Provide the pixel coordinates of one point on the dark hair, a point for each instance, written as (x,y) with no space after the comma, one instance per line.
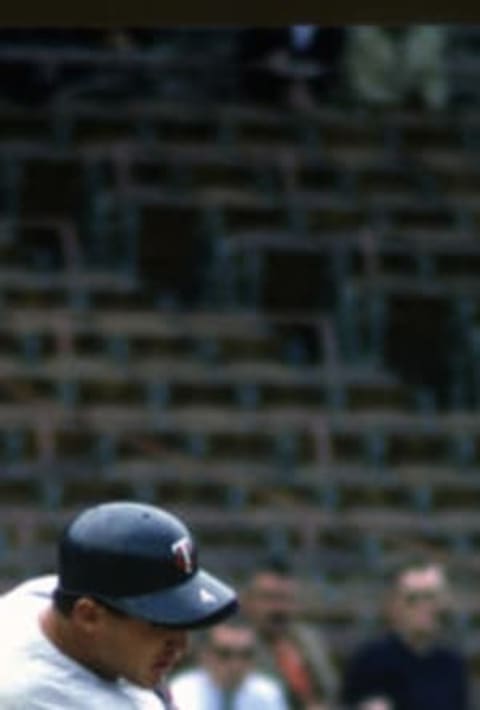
(278,564)
(238,621)
(64,602)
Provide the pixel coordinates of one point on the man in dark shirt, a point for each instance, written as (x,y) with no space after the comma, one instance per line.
(409,667)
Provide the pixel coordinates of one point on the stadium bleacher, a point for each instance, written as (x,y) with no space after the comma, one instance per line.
(199,303)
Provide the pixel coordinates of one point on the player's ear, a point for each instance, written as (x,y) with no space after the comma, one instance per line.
(87,614)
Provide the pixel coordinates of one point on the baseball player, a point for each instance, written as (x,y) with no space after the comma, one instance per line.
(105,632)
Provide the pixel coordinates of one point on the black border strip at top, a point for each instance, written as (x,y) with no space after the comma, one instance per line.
(125,13)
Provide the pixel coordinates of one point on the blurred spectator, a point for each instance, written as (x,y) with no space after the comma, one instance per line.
(226,677)
(395,65)
(298,64)
(288,648)
(410,667)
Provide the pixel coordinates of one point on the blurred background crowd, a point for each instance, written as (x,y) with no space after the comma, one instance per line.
(297,66)
(239,278)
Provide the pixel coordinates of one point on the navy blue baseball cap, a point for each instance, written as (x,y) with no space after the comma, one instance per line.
(142,561)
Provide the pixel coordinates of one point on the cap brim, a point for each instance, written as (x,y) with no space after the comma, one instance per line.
(200,601)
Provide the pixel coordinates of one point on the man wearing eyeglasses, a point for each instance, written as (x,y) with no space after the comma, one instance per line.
(410,667)
(226,678)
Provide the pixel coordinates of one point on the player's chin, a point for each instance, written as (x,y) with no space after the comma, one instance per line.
(150,675)
(153,676)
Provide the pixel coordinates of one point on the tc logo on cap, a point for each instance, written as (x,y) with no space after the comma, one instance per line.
(184,554)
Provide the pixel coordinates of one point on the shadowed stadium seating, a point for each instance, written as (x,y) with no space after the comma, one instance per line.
(267,320)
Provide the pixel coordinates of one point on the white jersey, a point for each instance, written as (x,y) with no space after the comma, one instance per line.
(195,690)
(35,675)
